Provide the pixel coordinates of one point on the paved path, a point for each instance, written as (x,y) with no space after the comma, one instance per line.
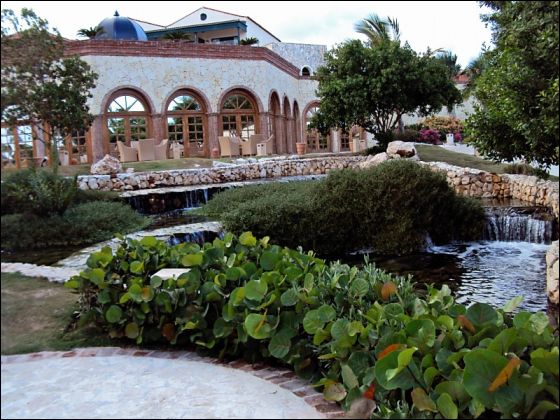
(117,383)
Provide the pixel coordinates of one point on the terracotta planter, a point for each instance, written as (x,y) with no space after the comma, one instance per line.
(301,148)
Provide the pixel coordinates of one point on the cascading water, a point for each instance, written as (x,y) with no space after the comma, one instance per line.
(525,224)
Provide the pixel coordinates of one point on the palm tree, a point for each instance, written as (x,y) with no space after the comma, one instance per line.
(474,69)
(177,35)
(378,30)
(450,61)
(249,41)
(90,32)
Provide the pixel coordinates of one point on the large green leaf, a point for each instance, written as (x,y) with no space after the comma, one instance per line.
(247,239)
(456,391)
(312,321)
(547,361)
(512,304)
(403,360)
(334,392)
(481,368)
(97,276)
(280,344)
(403,380)
(326,313)
(348,377)
(289,297)
(131,330)
(481,315)
(191,260)
(113,314)
(422,401)
(359,287)
(447,407)
(257,327)
(501,343)
(268,260)
(137,267)
(421,333)
(222,328)
(255,290)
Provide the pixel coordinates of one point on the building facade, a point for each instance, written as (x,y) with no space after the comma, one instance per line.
(191,91)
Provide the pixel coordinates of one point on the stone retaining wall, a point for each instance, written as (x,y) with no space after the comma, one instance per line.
(481,184)
(269,168)
(552,273)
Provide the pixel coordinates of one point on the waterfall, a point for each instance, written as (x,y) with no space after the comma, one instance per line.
(199,237)
(526,224)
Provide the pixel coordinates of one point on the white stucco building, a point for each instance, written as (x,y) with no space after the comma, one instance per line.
(193,91)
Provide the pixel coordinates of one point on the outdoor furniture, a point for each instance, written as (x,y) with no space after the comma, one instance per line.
(126,153)
(268,145)
(177,150)
(146,150)
(161,150)
(249,147)
(228,146)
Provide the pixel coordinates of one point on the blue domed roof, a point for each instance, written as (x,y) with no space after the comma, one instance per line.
(119,27)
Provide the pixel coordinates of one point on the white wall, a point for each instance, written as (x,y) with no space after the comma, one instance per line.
(300,55)
(254,30)
(212,16)
(158,77)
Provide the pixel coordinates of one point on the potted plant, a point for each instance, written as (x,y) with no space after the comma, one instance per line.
(301,148)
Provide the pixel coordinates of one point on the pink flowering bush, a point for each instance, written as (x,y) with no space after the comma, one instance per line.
(430,136)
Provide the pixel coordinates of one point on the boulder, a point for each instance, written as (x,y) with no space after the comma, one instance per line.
(401,148)
(374,160)
(107,166)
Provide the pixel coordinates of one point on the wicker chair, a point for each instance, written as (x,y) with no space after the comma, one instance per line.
(162,150)
(146,149)
(126,153)
(249,147)
(269,144)
(228,146)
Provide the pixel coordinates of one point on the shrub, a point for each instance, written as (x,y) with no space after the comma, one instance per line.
(429,136)
(80,225)
(384,138)
(407,135)
(38,192)
(355,331)
(525,169)
(392,207)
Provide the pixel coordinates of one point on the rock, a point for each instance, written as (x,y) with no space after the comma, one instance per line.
(374,160)
(107,166)
(401,148)
(129,170)
(218,164)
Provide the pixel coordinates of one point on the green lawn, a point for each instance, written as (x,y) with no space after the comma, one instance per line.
(36,316)
(429,153)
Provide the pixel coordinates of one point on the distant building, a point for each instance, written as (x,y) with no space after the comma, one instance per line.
(190,91)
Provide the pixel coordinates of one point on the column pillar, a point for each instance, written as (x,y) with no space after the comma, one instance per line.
(212,133)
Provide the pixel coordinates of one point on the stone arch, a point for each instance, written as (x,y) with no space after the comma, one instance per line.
(203,98)
(250,92)
(288,126)
(306,71)
(109,96)
(276,121)
(297,123)
(185,123)
(239,110)
(316,142)
(133,123)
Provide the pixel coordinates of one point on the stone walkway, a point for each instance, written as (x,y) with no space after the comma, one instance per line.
(127,383)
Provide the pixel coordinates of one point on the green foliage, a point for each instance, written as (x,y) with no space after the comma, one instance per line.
(525,169)
(81,224)
(39,83)
(374,87)
(37,192)
(249,41)
(394,206)
(332,323)
(517,91)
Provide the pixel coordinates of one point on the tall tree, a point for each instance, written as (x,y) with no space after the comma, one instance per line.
(39,84)
(378,30)
(374,87)
(517,114)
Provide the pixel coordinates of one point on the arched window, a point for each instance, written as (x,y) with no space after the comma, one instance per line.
(239,115)
(316,141)
(186,123)
(306,71)
(127,120)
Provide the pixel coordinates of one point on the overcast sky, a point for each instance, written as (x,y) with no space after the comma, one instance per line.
(450,25)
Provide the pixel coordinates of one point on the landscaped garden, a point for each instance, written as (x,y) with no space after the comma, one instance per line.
(277,284)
